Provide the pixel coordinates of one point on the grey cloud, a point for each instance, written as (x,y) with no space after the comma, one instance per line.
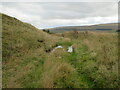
(44,14)
(78,10)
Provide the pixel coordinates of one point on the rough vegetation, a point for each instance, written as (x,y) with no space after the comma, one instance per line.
(29,62)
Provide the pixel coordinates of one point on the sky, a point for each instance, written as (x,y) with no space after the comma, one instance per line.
(55,14)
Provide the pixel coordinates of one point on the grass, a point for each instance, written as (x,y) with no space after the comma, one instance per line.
(96,58)
(30,62)
(22,45)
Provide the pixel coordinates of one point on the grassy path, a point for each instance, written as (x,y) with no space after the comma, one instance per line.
(63,69)
(73,60)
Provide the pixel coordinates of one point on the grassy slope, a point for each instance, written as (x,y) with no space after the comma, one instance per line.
(28,62)
(24,51)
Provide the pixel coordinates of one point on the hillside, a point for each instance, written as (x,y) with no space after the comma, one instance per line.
(28,59)
(99,27)
(24,50)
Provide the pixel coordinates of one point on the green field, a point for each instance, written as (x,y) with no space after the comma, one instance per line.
(29,60)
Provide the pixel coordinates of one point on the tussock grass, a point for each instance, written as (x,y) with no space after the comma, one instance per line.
(97,57)
(30,62)
(23,45)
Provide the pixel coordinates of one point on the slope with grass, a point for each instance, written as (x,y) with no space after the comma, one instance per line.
(29,63)
(24,51)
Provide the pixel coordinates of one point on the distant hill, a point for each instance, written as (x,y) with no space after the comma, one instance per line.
(99,27)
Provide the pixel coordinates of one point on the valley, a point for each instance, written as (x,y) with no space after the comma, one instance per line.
(28,60)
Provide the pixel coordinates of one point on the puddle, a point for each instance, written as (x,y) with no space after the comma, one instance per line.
(59,47)
(70,49)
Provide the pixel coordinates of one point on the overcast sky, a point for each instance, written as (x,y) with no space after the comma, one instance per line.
(46,15)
